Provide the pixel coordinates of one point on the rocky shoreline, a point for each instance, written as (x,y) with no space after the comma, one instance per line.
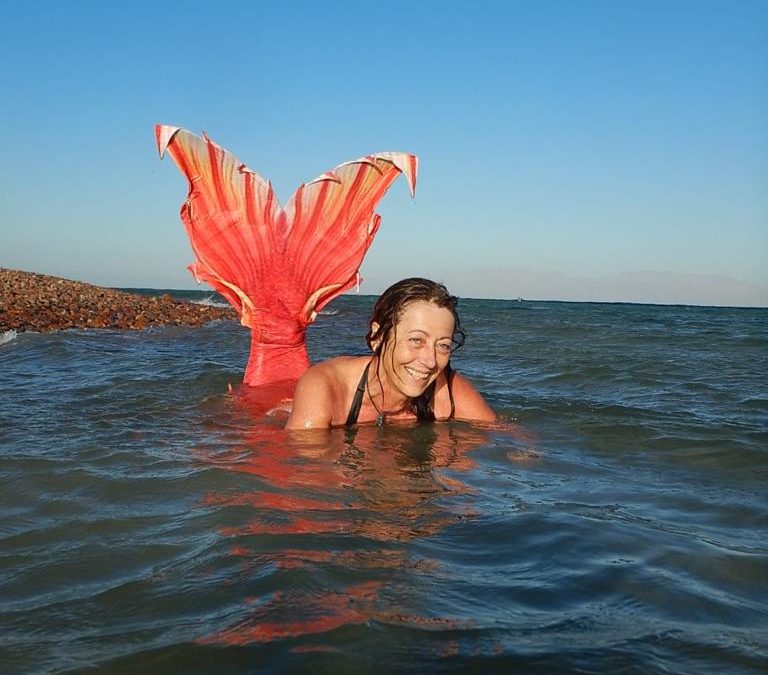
(37,302)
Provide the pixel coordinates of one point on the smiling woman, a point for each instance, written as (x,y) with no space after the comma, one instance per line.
(414,328)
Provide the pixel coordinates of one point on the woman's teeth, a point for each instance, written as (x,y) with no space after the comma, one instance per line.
(417,374)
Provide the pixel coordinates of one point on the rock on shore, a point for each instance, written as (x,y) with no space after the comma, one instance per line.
(38,302)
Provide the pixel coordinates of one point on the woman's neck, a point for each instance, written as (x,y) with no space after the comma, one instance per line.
(384,397)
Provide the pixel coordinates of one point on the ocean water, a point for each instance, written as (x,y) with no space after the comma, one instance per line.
(614,521)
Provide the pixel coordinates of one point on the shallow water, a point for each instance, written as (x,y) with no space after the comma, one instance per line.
(616,521)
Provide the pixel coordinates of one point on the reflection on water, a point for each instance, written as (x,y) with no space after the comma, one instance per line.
(331,505)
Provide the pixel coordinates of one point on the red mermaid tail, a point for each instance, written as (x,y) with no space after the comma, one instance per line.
(278,266)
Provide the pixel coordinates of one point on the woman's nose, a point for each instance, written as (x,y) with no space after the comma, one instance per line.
(429,356)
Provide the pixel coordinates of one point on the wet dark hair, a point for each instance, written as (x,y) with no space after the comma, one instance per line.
(392,302)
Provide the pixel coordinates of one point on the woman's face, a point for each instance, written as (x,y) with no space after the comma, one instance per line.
(418,348)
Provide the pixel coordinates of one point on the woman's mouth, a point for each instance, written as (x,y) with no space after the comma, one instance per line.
(417,374)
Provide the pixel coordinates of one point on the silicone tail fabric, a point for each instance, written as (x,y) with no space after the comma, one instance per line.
(278,266)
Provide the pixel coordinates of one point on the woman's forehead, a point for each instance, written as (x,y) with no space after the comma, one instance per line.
(426,316)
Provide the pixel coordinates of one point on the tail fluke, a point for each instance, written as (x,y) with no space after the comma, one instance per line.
(278,266)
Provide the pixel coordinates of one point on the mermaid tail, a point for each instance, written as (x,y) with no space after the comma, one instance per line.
(278,266)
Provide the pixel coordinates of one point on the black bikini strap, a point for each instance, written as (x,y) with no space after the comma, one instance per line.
(357,401)
(424,405)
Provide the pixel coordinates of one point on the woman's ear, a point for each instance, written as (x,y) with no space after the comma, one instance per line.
(376,341)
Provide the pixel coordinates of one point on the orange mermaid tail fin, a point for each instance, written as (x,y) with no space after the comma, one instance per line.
(278,266)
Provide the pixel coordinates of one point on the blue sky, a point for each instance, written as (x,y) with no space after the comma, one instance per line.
(580,150)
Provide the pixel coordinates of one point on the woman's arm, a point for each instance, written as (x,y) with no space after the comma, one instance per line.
(312,401)
(469,403)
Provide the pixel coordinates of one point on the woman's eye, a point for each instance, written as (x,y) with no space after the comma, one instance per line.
(444,347)
(416,341)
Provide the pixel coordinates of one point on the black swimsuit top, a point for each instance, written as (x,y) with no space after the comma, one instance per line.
(422,405)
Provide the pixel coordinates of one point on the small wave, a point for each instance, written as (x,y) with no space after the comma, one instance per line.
(7,336)
(211,301)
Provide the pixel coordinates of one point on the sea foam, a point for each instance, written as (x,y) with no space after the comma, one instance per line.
(211,301)
(7,336)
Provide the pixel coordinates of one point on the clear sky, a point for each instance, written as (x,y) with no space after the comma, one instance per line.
(579,150)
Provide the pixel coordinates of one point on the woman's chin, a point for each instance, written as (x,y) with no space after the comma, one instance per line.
(413,387)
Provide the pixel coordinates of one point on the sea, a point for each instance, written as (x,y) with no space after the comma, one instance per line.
(614,520)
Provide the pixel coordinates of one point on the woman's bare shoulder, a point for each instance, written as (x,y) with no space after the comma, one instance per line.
(470,404)
(334,371)
(321,391)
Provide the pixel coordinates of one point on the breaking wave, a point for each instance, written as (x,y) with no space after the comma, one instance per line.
(8,336)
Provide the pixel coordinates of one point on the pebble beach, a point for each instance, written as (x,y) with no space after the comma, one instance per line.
(42,303)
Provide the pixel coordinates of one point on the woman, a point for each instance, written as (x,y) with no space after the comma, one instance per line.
(413,331)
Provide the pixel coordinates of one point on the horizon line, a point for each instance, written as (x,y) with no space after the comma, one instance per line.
(485,299)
